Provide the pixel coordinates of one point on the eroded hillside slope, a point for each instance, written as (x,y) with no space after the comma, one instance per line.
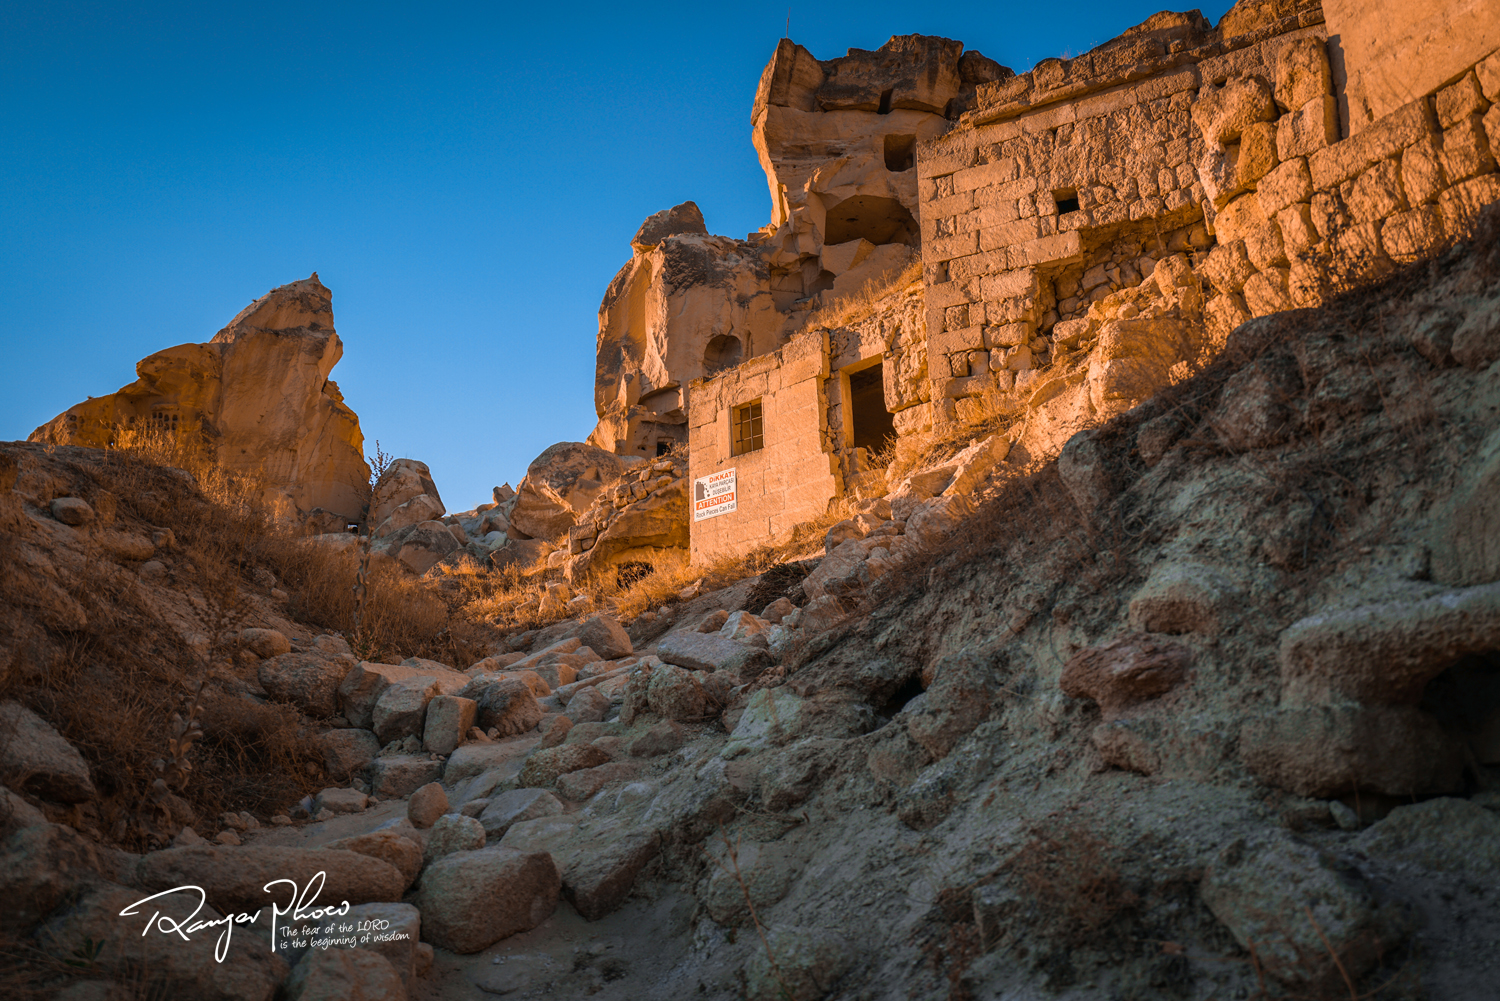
(1210,707)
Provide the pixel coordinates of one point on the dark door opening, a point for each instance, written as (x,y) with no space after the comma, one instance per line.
(871,423)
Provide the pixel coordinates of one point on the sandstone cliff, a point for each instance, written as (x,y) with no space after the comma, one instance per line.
(259,390)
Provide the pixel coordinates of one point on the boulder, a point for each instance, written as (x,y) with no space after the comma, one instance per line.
(340,801)
(1285,898)
(389,846)
(676,694)
(605,636)
(396,776)
(73,511)
(588,705)
(1125,671)
(515,807)
(1386,653)
(401,482)
(543,767)
(583,784)
(414,512)
(598,882)
(310,681)
(449,718)
(348,752)
(684,218)
(471,900)
(554,730)
(34,758)
(453,832)
(745,627)
(473,760)
(337,974)
(712,652)
(401,709)
(234,878)
(362,687)
(560,485)
(424,546)
(504,704)
(265,642)
(427,804)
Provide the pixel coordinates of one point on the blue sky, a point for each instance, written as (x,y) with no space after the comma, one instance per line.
(464,177)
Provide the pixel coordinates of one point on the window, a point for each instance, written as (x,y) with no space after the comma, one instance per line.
(749,433)
(663,447)
(1067,200)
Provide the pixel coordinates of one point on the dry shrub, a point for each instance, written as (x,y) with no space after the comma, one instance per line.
(864,301)
(1066,869)
(403,616)
(113,687)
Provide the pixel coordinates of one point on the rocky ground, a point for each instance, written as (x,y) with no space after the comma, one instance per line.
(1207,708)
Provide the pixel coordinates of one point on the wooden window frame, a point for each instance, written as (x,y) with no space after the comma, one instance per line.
(747,427)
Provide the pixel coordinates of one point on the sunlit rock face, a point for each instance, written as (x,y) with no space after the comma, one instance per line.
(261,393)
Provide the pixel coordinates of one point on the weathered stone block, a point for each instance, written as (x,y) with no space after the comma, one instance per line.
(1308,129)
(1288,183)
(1466,150)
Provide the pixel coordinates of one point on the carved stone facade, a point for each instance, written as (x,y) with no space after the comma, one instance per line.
(1088,232)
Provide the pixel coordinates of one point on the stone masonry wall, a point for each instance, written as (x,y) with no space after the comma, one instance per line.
(1036,210)
(793,477)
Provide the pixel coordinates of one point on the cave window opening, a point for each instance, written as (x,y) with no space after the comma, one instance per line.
(749,428)
(663,447)
(885,103)
(1067,200)
(872,426)
(723,351)
(900,153)
(875,218)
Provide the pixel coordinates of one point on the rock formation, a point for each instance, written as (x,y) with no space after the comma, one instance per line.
(1199,700)
(260,392)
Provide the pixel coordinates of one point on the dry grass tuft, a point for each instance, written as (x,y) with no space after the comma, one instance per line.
(866,300)
(1066,870)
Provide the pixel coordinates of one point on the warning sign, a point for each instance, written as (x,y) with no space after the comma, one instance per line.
(713,495)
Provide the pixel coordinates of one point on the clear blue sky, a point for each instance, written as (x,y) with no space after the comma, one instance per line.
(464,177)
